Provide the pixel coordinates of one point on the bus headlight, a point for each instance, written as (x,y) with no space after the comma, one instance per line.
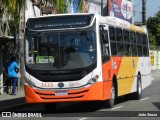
(93,79)
(29,82)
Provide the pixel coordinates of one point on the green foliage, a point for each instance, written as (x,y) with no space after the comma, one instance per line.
(80,7)
(60,6)
(153,26)
(13,8)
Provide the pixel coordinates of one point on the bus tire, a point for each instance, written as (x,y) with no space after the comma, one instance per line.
(111,102)
(50,107)
(138,93)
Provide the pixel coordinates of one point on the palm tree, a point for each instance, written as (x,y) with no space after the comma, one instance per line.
(12,10)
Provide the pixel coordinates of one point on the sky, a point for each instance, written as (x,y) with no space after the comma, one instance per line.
(152,7)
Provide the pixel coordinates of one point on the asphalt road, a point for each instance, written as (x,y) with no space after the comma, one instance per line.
(148,106)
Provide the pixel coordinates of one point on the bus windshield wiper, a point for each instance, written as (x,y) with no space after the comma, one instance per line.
(47,42)
(70,39)
(68,44)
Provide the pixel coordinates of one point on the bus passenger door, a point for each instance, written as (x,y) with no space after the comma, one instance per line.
(105,56)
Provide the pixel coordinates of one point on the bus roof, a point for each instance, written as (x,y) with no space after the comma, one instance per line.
(66,14)
(124,24)
(103,20)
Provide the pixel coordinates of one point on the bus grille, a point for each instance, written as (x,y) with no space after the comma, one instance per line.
(50,95)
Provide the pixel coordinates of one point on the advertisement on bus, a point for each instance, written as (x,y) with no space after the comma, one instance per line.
(122,9)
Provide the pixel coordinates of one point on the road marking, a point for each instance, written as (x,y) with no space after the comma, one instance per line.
(83,119)
(144,99)
(117,107)
(156,75)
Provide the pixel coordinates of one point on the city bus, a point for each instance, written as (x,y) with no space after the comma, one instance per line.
(84,57)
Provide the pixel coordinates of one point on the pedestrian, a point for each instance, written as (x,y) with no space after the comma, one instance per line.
(7,83)
(12,73)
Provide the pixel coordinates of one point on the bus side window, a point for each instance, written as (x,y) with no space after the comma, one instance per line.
(127,49)
(138,38)
(112,37)
(126,36)
(139,48)
(119,36)
(145,45)
(127,46)
(120,49)
(114,48)
(139,44)
(112,33)
(144,40)
(132,37)
(133,43)
(104,44)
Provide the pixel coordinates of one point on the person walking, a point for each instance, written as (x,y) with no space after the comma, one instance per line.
(12,73)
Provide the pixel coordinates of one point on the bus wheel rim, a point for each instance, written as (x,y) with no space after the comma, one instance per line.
(113,92)
(139,88)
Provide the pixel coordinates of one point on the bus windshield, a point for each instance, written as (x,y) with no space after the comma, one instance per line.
(60,50)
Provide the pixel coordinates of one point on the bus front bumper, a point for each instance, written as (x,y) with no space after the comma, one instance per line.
(92,93)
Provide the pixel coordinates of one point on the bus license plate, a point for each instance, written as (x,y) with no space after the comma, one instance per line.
(61,93)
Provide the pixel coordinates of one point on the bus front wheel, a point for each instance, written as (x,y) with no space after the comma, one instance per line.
(111,102)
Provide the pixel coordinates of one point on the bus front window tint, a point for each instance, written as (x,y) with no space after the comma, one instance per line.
(61,50)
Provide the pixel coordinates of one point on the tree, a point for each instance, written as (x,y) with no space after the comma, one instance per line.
(12,10)
(153,26)
(59,6)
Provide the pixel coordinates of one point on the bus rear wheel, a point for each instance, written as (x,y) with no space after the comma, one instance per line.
(138,93)
(50,107)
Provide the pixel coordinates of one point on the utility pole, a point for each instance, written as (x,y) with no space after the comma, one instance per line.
(102,7)
(143,12)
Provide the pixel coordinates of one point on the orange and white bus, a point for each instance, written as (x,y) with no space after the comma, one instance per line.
(84,57)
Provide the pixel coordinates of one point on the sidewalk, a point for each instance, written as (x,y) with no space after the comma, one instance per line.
(8,101)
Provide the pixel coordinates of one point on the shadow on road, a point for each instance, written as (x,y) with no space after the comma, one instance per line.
(157,104)
(18,105)
(11,103)
(92,106)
